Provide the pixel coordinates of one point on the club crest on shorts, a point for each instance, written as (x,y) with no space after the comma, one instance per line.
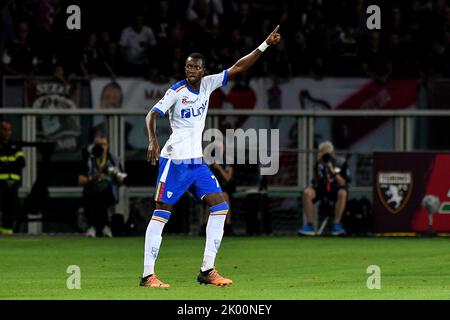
(394,189)
(169,194)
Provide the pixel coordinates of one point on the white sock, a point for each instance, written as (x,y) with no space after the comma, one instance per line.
(208,263)
(153,238)
(214,234)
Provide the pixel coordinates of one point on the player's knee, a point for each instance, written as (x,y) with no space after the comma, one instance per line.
(309,193)
(163,206)
(342,193)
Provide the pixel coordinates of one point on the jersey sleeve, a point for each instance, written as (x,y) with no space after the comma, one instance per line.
(123,41)
(163,105)
(217,80)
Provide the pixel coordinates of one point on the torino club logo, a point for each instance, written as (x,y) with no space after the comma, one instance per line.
(394,189)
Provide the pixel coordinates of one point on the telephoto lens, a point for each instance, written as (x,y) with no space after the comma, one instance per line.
(326,158)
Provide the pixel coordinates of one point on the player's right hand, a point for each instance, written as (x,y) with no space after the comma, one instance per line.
(153,152)
(274,37)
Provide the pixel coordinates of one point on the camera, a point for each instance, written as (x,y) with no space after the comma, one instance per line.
(115,173)
(326,158)
(96,151)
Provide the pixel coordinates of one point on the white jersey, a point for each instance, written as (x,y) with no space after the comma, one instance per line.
(132,40)
(187,113)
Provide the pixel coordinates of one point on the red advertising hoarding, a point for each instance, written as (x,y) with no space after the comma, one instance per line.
(401,180)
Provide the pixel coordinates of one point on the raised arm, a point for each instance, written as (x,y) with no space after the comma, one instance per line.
(247,61)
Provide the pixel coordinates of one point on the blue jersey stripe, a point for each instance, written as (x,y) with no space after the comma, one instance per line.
(225,78)
(178,84)
(159,111)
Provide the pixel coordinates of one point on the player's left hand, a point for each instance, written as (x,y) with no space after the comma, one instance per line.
(153,152)
(274,37)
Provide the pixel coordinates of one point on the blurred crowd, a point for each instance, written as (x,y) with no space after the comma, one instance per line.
(151,38)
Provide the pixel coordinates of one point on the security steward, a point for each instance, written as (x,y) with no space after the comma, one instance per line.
(12,162)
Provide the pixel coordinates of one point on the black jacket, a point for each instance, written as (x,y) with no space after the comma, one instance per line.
(12,162)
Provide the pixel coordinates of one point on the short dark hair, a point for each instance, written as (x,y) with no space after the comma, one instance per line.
(199,56)
(101,135)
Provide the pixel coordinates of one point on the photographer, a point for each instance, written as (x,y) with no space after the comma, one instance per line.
(330,183)
(101,180)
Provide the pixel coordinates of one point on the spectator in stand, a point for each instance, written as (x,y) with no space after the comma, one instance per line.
(203,18)
(112,58)
(176,67)
(210,9)
(48,24)
(59,75)
(376,63)
(278,61)
(245,22)
(7,32)
(162,23)
(413,30)
(135,42)
(93,62)
(104,39)
(110,51)
(19,58)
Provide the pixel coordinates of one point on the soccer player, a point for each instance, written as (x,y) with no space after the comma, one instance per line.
(181,164)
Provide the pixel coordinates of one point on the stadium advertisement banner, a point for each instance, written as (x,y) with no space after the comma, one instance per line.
(362,135)
(265,93)
(128,93)
(402,180)
(55,94)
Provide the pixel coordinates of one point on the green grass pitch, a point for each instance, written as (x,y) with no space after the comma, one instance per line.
(290,268)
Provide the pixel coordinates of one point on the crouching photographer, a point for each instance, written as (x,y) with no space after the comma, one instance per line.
(103,175)
(330,185)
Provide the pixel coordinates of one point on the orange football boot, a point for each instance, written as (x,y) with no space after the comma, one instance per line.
(213,277)
(153,282)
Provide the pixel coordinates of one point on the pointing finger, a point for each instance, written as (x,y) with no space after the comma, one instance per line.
(276,29)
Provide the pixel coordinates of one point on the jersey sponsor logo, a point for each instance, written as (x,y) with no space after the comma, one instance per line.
(185,113)
(185,100)
(169,194)
(194,112)
(394,189)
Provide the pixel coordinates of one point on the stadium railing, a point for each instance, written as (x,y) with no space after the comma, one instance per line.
(404,128)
